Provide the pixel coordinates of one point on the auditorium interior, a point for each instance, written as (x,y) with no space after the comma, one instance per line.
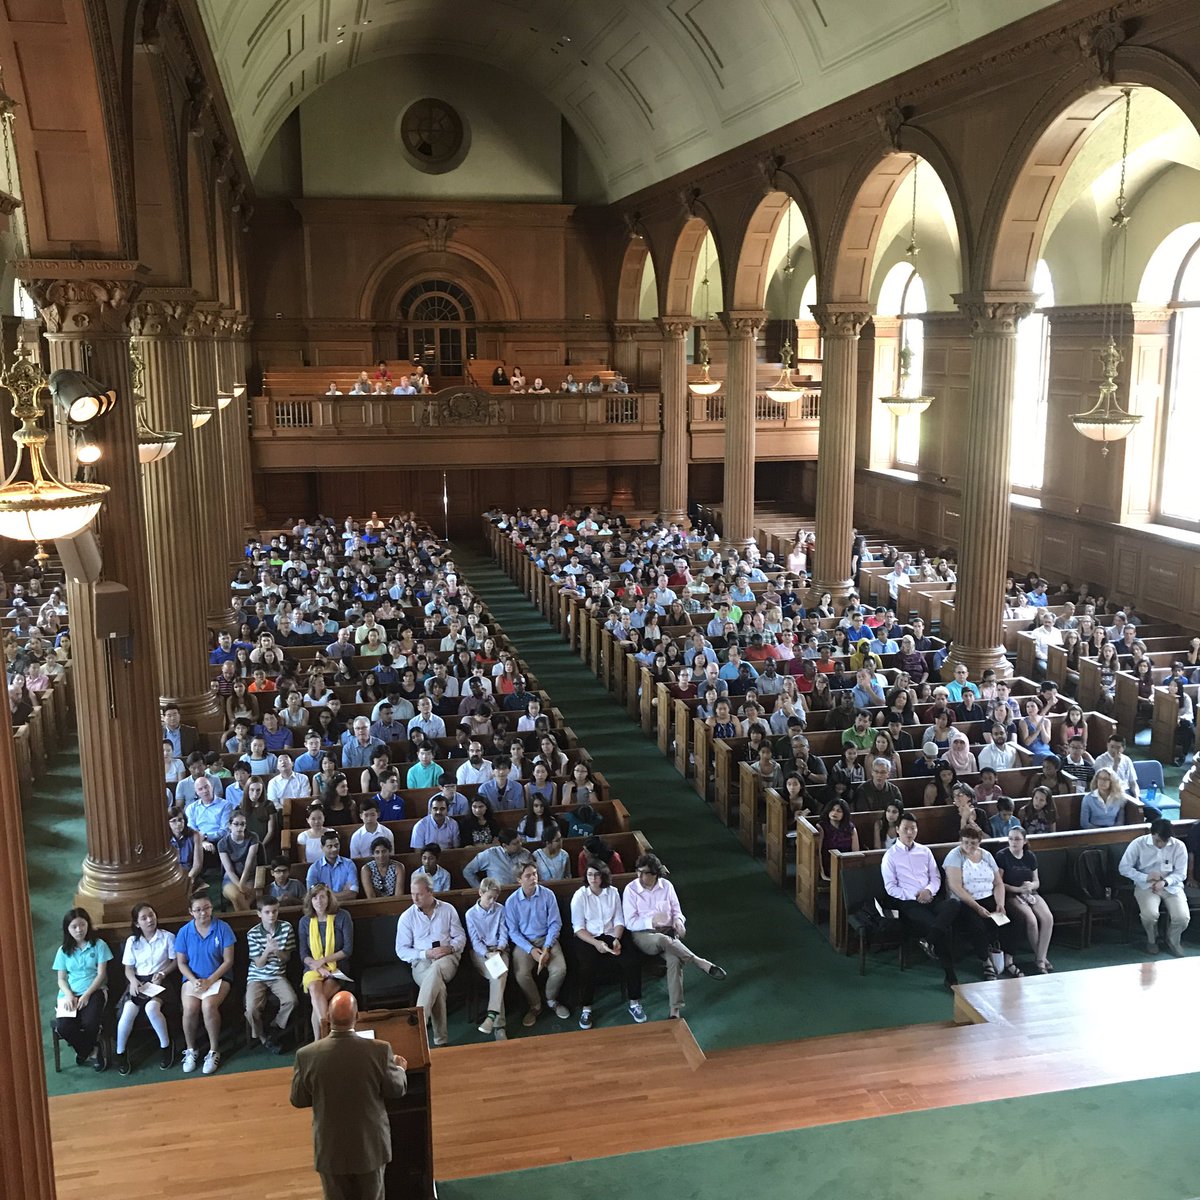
(925,272)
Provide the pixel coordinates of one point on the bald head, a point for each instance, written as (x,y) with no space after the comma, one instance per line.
(343,1009)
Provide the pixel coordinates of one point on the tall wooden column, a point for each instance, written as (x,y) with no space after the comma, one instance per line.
(169,502)
(625,351)
(228,463)
(26,1166)
(238,417)
(207,473)
(673,458)
(737,515)
(983,544)
(85,306)
(841,323)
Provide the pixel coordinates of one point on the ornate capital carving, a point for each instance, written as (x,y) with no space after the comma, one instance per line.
(1099,44)
(674,327)
(198,322)
(437,229)
(743,322)
(8,204)
(82,295)
(995,313)
(890,120)
(159,317)
(841,319)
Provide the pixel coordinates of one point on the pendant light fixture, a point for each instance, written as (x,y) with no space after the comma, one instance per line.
(1106,421)
(906,402)
(784,391)
(153,445)
(705,385)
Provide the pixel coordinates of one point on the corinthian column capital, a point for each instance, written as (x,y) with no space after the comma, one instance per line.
(743,322)
(674,327)
(840,318)
(995,312)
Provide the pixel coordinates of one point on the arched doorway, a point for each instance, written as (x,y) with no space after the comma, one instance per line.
(437,327)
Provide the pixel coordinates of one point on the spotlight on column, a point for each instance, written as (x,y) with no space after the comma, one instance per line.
(224,400)
(201,415)
(79,397)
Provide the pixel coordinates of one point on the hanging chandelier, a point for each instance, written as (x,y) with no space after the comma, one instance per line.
(906,402)
(784,391)
(153,445)
(41,508)
(1106,421)
(705,385)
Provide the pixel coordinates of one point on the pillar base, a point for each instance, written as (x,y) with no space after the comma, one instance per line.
(203,711)
(108,892)
(839,589)
(980,659)
(225,618)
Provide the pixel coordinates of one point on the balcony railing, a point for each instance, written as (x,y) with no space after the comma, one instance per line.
(805,409)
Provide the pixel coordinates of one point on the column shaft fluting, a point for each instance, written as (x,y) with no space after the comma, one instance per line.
(172,516)
(840,327)
(983,544)
(120,738)
(673,458)
(740,391)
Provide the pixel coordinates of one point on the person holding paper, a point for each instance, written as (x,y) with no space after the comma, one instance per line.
(204,952)
(148,959)
(430,938)
(977,883)
(652,914)
(326,936)
(488,935)
(82,972)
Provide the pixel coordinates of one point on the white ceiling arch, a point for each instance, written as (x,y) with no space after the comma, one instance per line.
(650,87)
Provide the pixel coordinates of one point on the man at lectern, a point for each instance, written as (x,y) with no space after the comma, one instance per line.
(345,1080)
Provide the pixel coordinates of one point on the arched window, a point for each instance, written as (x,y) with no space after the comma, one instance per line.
(902,294)
(808,298)
(1179,492)
(438,329)
(1030,400)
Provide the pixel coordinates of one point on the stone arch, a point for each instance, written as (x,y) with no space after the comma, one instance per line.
(629,282)
(752,273)
(864,206)
(494,296)
(676,290)
(1047,144)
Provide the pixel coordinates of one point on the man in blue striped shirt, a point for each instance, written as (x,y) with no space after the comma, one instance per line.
(534,924)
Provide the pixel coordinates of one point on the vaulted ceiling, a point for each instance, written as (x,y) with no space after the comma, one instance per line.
(650,87)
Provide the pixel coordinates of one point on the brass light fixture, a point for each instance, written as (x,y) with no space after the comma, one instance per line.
(1106,421)
(705,385)
(784,391)
(40,508)
(906,402)
(153,445)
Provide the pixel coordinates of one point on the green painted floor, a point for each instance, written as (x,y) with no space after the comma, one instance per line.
(784,982)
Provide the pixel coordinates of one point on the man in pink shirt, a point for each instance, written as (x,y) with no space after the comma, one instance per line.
(913,881)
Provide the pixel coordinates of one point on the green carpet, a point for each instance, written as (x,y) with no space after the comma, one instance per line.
(1026,1149)
(784,980)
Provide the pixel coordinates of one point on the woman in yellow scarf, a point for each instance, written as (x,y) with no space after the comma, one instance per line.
(326,937)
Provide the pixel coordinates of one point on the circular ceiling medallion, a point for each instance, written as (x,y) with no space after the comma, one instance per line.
(432,135)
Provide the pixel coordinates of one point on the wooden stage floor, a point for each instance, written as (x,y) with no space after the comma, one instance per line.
(234,1136)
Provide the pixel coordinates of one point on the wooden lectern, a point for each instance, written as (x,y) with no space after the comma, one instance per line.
(409,1175)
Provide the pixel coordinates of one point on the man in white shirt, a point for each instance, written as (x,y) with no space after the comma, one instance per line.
(1121,765)
(430,938)
(1000,754)
(475,770)
(1156,862)
(287,785)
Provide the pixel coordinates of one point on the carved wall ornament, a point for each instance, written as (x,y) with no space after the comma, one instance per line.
(689,197)
(461,406)
(437,229)
(1098,45)
(769,168)
(891,120)
(674,327)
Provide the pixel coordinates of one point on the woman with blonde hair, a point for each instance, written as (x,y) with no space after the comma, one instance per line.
(326,938)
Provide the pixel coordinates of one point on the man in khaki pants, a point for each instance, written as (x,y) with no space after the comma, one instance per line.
(430,938)
(653,916)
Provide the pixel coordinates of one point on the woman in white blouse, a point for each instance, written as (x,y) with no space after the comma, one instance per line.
(148,959)
(599,925)
(976,882)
